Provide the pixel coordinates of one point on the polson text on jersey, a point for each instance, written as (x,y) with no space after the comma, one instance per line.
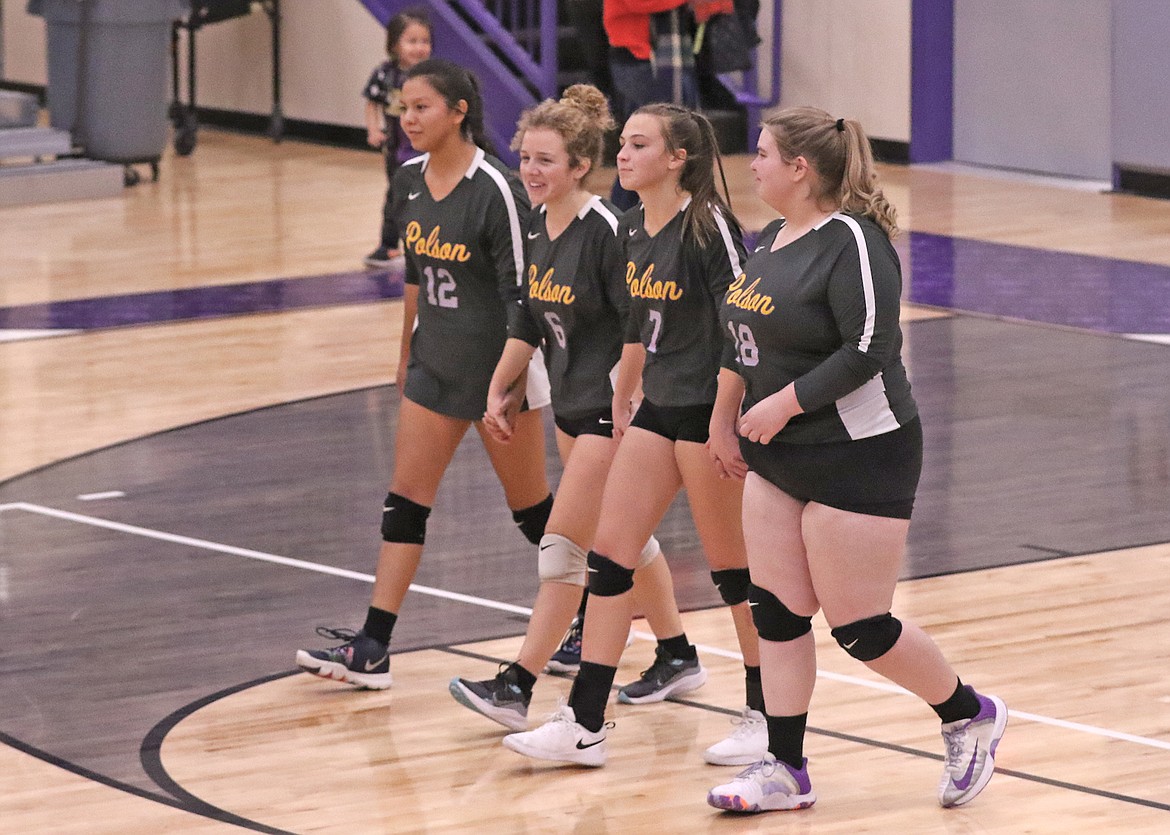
(647,288)
(545,290)
(432,246)
(748,298)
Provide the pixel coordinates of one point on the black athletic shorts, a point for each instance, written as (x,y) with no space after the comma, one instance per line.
(877,476)
(594,423)
(675,423)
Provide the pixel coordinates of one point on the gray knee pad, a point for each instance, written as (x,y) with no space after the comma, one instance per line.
(733,584)
(561,560)
(869,638)
(775,621)
(607,578)
(650,552)
(403,520)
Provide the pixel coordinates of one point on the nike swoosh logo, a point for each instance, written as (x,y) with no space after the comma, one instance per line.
(372,664)
(851,643)
(752,603)
(604,422)
(592,570)
(533,235)
(413,195)
(963,782)
(581,747)
(758,248)
(387,509)
(551,544)
(633,232)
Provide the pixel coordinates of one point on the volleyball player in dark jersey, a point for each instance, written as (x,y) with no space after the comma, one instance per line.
(575,297)
(831,447)
(683,250)
(462,219)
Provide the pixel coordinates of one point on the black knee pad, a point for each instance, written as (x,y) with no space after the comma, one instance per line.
(775,621)
(870,638)
(403,520)
(607,578)
(532,520)
(733,584)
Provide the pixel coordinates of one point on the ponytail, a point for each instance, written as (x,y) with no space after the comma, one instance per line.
(840,153)
(692,132)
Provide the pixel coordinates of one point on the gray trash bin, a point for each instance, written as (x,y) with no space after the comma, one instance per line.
(108,70)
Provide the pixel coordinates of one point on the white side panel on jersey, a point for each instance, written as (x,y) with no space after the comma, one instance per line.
(866,411)
(539,390)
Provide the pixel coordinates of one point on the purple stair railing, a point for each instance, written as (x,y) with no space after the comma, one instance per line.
(513,53)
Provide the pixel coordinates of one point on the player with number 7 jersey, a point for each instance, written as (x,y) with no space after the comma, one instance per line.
(676,287)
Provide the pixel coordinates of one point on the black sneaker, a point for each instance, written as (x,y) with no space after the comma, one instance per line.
(499,699)
(666,677)
(567,659)
(361,660)
(381,257)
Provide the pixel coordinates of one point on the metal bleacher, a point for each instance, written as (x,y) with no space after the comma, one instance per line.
(37,163)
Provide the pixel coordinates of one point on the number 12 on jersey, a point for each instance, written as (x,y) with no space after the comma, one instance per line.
(440,293)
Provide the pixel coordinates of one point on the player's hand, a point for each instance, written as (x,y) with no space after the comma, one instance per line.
(762,421)
(376,138)
(723,447)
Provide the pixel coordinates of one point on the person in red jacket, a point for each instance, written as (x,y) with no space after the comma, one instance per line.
(651,59)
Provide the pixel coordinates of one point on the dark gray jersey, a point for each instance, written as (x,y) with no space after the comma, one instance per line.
(466,254)
(823,312)
(675,291)
(576,300)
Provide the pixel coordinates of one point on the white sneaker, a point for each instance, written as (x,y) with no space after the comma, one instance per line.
(561,739)
(767,786)
(747,744)
(971,747)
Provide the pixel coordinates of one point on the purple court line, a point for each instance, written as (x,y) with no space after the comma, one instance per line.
(1038,285)
(206,302)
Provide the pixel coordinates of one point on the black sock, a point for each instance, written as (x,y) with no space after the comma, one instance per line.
(531,520)
(786,738)
(963,704)
(590,693)
(379,624)
(524,679)
(679,647)
(754,687)
(584,602)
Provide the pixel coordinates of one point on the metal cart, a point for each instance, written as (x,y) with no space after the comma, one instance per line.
(203,13)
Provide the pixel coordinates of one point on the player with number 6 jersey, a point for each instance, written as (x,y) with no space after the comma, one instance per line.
(574,302)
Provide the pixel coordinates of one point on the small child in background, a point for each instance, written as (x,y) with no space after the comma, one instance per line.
(408,42)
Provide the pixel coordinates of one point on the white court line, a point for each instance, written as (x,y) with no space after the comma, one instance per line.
(518,610)
(97,497)
(207,545)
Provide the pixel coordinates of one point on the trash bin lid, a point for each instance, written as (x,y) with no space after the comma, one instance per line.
(110,11)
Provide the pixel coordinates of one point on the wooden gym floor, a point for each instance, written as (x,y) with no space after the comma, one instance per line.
(197,422)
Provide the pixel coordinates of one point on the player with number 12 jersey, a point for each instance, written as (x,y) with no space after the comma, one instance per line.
(465,253)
